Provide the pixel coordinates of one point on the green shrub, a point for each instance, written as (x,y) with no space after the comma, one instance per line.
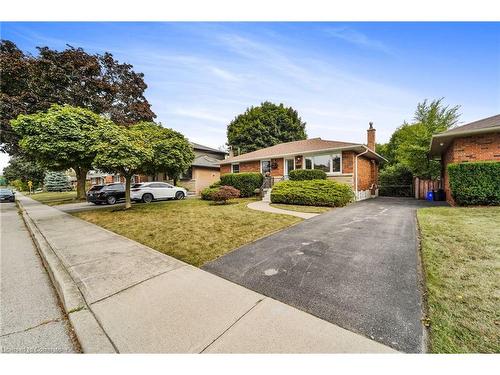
(312,193)
(206,194)
(19,185)
(396,181)
(246,183)
(307,174)
(475,183)
(224,193)
(215,184)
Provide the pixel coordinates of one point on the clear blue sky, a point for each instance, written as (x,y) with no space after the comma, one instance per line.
(339,76)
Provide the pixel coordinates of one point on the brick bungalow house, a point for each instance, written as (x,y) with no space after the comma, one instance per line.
(204,171)
(476,141)
(351,163)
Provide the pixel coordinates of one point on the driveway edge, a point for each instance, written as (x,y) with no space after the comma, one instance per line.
(89,332)
(423,289)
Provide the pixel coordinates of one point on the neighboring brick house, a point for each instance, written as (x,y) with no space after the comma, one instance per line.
(476,141)
(351,163)
(203,171)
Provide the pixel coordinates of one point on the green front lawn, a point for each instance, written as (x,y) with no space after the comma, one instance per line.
(54,198)
(461,257)
(191,230)
(297,208)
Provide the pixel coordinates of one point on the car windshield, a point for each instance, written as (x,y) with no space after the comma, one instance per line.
(5,191)
(96,187)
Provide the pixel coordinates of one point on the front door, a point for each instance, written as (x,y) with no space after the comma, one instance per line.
(289,166)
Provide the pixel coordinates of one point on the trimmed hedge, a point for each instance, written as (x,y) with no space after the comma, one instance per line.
(307,174)
(312,193)
(246,183)
(476,183)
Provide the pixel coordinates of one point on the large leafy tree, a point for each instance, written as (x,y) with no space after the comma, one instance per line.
(97,82)
(125,151)
(409,144)
(172,152)
(24,169)
(61,138)
(263,126)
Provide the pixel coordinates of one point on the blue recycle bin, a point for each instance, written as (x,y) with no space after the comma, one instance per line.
(430,196)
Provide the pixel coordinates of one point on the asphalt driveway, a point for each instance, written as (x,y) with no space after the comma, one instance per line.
(356,267)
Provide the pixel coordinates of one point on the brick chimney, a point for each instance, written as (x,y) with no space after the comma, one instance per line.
(370,133)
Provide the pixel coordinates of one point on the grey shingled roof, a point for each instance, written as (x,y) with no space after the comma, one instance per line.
(486,123)
(197,146)
(206,161)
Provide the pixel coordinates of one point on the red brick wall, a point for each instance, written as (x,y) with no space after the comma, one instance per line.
(225,168)
(484,147)
(279,170)
(364,173)
(250,166)
(348,161)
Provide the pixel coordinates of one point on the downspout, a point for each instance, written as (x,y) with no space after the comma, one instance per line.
(356,169)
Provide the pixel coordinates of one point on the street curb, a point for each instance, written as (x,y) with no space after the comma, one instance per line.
(90,334)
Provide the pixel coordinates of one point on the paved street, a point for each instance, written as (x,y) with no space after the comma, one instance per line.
(31,320)
(355,267)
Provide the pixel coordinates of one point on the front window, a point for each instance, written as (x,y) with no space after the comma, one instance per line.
(326,163)
(322,162)
(265,166)
(188,175)
(309,163)
(236,168)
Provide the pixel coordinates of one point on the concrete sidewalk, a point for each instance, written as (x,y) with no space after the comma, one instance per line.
(266,207)
(124,297)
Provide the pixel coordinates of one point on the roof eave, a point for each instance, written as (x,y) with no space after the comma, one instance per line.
(445,138)
(343,148)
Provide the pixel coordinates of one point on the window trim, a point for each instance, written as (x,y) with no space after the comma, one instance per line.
(331,173)
(286,172)
(232,167)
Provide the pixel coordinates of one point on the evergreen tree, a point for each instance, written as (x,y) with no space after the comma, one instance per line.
(56,181)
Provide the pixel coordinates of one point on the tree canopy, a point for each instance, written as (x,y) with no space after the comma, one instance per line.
(264,126)
(409,144)
(172,152)
(61,138)
(21,168)
(93,81)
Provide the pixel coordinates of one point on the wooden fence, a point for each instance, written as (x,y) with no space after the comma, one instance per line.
(422,187)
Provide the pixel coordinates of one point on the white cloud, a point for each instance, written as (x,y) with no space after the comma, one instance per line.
(353,36)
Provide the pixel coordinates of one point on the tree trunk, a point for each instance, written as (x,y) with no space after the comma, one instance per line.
(128,180)
(81,178)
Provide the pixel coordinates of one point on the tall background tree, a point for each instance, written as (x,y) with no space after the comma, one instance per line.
(21,168)
(97,82)
(409,144)
(61,138)
(264,126)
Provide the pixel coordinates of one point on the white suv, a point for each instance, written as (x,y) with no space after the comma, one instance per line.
(150,191)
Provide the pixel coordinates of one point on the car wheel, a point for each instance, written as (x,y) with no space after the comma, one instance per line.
(111,200)
(179,195)
(147,198)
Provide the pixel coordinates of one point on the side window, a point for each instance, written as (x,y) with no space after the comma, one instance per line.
(236,168)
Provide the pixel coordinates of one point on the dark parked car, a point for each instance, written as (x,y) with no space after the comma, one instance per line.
(108,194)
(7,195)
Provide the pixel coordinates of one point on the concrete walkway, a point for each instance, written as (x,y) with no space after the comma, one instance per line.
(31,319)
(137,300)
(266,207)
